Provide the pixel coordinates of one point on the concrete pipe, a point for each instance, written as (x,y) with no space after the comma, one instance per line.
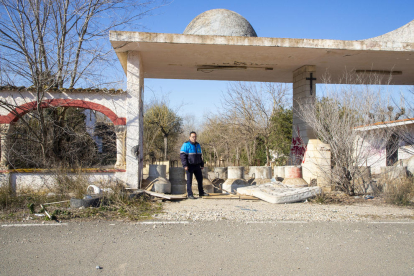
(235,172)
(293,176)
(221,172)
(207,186)
(252,172)
(157,171)
(231,185)
(177,173)
(263,172)
(177,179)
(162,185)
(205,172)
(279,172)
(178,189)
(263,175)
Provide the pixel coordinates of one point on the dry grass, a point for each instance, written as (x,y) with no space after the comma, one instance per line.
(400,191)
(115,203)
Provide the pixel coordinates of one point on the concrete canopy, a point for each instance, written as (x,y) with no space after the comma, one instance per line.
(235,58)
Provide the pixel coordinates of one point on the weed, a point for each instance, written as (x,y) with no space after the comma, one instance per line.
(70,183)
(31,207)
(400,191)
(320,198)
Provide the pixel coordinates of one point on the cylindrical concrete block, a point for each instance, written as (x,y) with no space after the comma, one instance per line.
(252,171)
(293,176)
(205,172)
(293,172)
(263,172)
(235,172)
(177,179)
(279,171)
(231,185)
(177,173)
(162,185)
(178,189)
(157,171)
(207,186)
(221,172)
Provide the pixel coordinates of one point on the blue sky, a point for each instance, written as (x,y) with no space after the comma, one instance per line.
(343,20)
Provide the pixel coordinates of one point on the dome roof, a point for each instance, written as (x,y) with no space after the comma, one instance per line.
(220,22)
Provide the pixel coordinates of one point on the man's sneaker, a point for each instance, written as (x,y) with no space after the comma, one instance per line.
(204,194)
(191,197)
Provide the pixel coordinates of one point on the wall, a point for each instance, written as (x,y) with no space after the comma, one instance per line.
(42,181)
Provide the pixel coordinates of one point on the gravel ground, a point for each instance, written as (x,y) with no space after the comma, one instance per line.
(246,210)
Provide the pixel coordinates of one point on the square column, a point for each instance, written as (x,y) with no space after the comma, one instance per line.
(134,120)
(307,151)
(304,96)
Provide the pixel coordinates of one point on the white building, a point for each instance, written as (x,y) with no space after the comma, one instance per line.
(386,143)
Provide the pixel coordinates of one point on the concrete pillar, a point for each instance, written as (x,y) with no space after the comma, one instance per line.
(306,150)
(120,146)
(317,164)
(304,94)
(134,120)
(4,129)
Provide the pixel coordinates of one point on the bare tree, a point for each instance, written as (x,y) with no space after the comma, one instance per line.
(249,107)
(47,44)
(343,119)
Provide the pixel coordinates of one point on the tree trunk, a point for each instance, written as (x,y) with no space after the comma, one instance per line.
(227,153)
(248,154)
(267,155)
(165,146)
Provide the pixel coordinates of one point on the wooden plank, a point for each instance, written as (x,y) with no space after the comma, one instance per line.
(170,197)
(222,196)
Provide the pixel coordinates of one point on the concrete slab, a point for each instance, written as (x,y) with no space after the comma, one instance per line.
(279,193)
(212,57)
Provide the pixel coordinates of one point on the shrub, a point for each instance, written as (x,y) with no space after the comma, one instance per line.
(400,191)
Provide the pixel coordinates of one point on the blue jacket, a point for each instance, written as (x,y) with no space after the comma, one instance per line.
(191,154)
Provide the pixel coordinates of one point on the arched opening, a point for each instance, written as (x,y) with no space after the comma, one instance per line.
(25,108)
(62,135)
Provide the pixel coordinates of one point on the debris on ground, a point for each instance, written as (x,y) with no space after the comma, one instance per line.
(279,193)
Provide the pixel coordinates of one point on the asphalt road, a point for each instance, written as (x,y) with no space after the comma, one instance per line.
(209,248)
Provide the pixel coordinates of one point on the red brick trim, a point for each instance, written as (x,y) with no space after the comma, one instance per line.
(25,108)
(91,170)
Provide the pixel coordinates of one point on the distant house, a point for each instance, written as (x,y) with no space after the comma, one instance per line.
(399,144)
(101,129)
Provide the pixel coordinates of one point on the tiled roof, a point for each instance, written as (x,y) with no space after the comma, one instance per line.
(388,123)
(63,90)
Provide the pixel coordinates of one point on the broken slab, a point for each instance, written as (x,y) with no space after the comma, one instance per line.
(169,197)
(279,193)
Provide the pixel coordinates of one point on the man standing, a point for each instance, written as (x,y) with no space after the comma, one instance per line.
(191,158)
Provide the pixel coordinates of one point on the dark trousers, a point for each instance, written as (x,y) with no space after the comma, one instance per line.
(196,170)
